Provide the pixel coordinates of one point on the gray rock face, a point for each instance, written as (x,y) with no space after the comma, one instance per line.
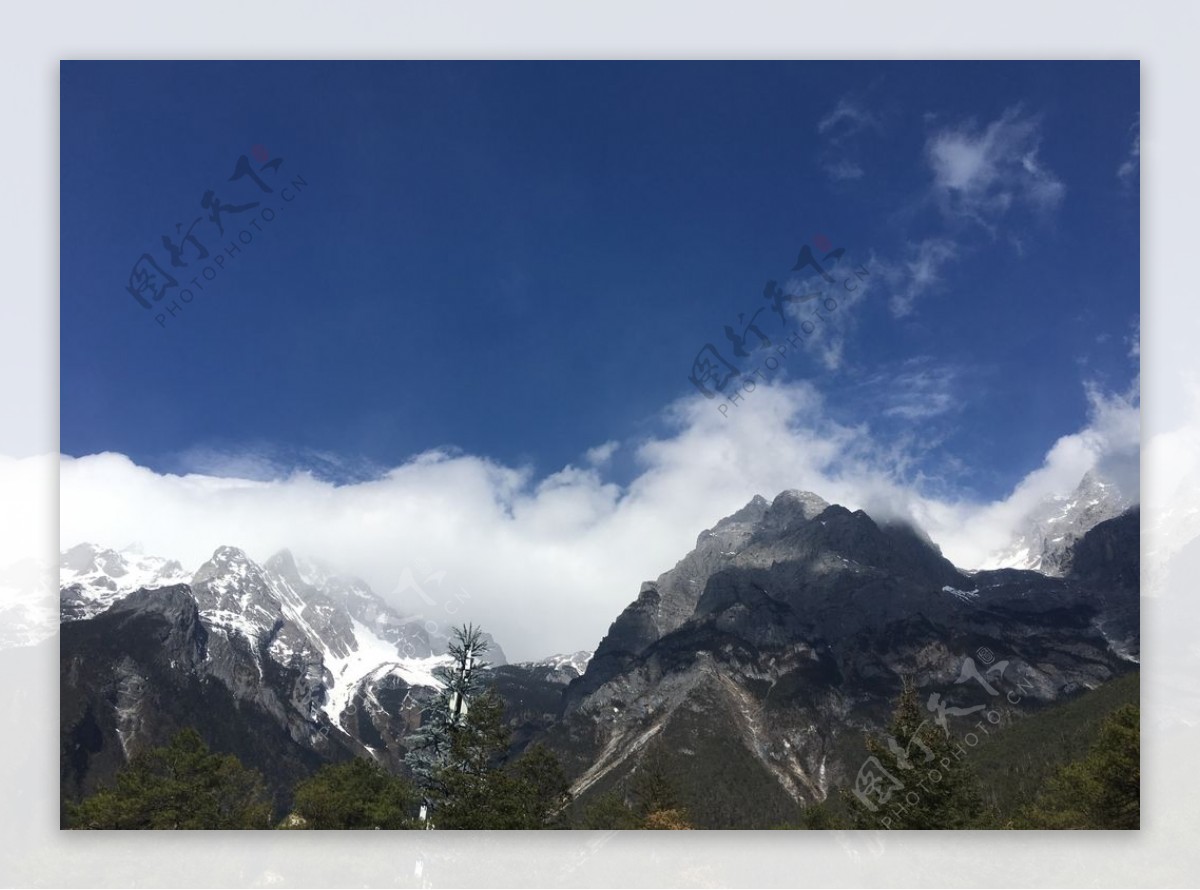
(137,673)
(799,637)
(319,656)
(1046,539)
(665,604)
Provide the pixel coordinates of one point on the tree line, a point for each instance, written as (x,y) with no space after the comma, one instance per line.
(462,778)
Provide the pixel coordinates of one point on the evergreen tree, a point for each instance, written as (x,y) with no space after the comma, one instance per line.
(475,789)
(180,786)
(1101,791)
(609,812)
(823,816)
(459,755)
(359,794)
(461,683)
(654,790)
(655,799)
(940,788)
(543,786)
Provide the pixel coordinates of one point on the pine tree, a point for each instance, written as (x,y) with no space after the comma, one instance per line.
(656,794)
(477,789)
(1100,791)
(939,787)
(180,786)
(431,746)
(652,801)
(653,788)
(609,812)
(543,787)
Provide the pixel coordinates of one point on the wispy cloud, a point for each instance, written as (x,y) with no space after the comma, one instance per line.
(832,328)
(919,273)
(1131,166)
(982,174)
(840,131)
(843,169)
(920,389)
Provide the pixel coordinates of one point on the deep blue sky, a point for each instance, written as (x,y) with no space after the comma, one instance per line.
(521,259)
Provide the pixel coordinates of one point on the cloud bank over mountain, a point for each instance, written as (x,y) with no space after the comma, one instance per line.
(546,561)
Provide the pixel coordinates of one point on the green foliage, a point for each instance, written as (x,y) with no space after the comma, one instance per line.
(543,787)
(824,816)
(1100,791)
(180,786)
(475,789)
(358,794)
(655,800)
(653,788)
(940,788)
(1016,763)
(609,812)
(431,746)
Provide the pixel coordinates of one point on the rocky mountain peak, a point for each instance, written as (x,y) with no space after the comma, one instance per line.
(92,578)
(1045,540)
(284,563)
(790,508)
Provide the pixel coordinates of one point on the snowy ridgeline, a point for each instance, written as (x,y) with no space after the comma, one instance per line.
(342,634)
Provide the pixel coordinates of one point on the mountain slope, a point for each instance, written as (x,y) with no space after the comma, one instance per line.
(243,652)
(797,642)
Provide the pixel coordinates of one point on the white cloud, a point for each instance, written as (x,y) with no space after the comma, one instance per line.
(548,563)
(601,454)
(982,174)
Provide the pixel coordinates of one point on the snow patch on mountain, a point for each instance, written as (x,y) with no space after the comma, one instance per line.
(92,579)
(1045,538)
(373,657)
(965,595)
(576,662)
(334,630)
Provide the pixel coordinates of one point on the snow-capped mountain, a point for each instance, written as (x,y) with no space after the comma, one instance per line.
(332,632)
(756,662)
(293,666)
(92,578)
(558,668)
(1045,539)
